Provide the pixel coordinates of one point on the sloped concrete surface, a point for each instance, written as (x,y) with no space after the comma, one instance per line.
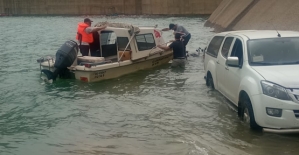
(271,14)
(255,14)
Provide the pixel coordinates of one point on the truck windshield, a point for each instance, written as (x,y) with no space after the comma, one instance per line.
(278,51)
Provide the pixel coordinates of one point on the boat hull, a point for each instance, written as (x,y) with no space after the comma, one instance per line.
(94,76)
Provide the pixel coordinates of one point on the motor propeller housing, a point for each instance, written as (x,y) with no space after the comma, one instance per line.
(65,57)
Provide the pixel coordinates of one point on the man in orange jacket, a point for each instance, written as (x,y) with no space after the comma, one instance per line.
(84,35)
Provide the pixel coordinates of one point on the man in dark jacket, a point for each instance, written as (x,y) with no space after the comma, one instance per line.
(177,46)
(180,29)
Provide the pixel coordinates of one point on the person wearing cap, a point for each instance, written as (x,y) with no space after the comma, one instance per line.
(186,36)
(85,36)
(178,51)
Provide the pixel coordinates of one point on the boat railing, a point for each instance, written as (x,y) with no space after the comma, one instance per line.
(42,59)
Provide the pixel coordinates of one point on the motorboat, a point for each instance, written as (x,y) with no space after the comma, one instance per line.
(121,49)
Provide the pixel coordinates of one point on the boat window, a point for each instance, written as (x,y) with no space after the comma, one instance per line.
(108,43)
(108,38)
(214,46)
(145,42)
(122,43)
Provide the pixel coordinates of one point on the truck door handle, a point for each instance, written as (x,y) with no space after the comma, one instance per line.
(226,68)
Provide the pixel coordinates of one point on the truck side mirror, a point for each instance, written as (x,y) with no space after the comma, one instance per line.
(232,62)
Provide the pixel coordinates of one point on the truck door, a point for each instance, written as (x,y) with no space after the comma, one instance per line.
(234,74)
(221,66)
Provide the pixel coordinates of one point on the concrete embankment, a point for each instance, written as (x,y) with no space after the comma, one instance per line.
(255,14)
(108,7)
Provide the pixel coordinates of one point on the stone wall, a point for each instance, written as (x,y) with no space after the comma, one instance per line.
(255,14)
(1,7)
(108,7)
(179,7)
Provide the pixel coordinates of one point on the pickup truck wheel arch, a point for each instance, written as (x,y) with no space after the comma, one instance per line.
(209,80)
(246,113)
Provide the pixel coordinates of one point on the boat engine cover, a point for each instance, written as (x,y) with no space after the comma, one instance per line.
(66,54)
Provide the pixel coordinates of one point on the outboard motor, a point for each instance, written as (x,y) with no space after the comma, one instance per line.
(65,57)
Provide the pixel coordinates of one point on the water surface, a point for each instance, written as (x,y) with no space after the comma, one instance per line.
(152,112)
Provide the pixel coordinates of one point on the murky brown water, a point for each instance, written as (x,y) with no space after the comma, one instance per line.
(151,112)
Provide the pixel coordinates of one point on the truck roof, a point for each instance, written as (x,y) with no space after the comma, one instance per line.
(260,34)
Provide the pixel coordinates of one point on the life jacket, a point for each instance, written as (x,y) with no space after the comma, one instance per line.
(85,36)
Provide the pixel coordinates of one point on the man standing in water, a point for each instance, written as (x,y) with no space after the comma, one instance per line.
(180,29)
(178,51)
(84,35)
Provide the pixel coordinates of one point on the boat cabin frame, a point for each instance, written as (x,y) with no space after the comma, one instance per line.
(118,44)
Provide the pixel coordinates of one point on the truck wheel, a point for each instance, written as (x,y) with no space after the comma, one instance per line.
(247,114)
(210,82)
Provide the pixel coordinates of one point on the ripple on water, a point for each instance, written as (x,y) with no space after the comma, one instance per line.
(155,111)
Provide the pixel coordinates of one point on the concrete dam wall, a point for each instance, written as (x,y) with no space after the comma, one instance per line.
(255,14)
(108,7)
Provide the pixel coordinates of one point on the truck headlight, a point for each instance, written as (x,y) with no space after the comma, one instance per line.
(274,90)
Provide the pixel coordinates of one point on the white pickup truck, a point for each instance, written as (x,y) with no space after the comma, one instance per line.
(258,71)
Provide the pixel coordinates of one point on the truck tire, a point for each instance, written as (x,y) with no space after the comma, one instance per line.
(247,114)
(210,82)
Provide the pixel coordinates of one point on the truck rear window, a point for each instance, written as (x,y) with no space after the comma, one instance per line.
(214,46)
